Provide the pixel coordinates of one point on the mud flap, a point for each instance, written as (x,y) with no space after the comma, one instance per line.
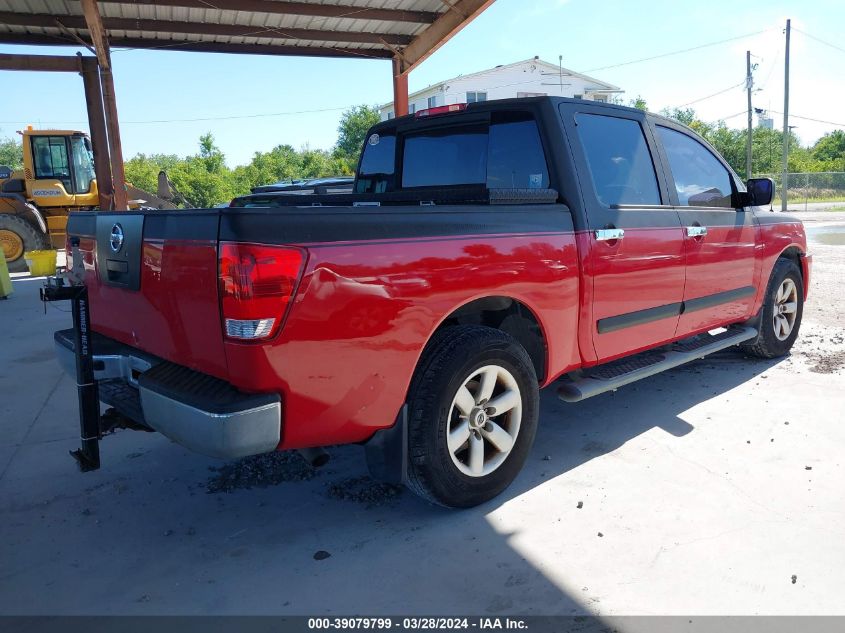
(387,451)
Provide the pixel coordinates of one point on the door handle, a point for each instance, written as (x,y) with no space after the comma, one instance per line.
(607,235)
(696,231)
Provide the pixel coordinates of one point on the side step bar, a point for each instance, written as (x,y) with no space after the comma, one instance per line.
(610,376)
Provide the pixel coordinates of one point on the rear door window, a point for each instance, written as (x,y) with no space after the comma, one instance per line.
(619,160)
(700,178)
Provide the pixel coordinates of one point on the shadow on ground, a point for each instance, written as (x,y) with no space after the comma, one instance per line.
(162,531)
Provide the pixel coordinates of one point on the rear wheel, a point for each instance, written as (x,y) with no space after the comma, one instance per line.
(473,409)
(18,236)
(783,307)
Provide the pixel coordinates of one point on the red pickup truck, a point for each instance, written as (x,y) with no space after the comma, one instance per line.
(486,251)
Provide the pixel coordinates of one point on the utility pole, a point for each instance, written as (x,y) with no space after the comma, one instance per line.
(785,175)
(749,81)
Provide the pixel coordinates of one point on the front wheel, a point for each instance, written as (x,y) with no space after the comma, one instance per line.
(783,307)
(17,236)
(473,408)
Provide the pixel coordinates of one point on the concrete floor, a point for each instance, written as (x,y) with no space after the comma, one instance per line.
(717,488)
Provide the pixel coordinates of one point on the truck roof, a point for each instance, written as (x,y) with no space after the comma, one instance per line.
(500,104)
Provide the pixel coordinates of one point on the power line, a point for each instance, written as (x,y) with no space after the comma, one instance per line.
(771,69)
(820,40)
(806,118)
(715,94)
(727,118)
(678,52)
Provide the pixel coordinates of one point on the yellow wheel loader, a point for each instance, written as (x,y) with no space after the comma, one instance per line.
(57,177)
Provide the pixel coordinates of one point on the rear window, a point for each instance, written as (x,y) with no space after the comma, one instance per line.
(377,170)
(505,153)
(516,159)
(445,156)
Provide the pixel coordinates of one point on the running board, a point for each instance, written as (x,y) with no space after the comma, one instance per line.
(613,375)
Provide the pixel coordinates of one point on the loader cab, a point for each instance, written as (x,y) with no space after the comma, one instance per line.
(60,169)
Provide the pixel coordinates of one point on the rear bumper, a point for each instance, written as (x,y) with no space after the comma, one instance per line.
(200,412)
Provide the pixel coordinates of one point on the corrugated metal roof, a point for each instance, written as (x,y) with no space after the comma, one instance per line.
(371,28)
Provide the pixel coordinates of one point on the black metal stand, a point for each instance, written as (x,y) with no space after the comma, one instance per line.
(55,289)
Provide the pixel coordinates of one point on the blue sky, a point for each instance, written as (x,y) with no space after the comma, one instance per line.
(155,86)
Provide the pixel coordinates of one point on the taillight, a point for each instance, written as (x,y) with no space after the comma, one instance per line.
(256,286)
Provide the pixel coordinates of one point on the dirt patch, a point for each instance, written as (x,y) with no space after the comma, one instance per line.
(823,350)
(260,471)
(826,364)
(364,490)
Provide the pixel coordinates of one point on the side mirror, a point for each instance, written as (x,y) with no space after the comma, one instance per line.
(760,192)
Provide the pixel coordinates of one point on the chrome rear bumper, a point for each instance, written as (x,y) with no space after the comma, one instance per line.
(198,411)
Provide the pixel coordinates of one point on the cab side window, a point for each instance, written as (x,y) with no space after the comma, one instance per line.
(700,178)
(619,160)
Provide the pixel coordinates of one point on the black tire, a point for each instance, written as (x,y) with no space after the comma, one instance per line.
(449,360)
(767,344)
(33,239)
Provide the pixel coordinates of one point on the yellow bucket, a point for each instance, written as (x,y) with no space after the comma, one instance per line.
(41,263)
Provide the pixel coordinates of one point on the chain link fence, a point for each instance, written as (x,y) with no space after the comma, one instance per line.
(805,188)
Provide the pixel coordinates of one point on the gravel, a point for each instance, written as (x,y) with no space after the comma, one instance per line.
(365,490)
(260,471)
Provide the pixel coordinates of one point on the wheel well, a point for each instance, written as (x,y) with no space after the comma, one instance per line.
(793,254)
(510,316)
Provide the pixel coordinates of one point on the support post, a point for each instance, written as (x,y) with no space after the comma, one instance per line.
(97,125)
(400,89)
(99,39)
(749,82)
(121,201)
(785,176)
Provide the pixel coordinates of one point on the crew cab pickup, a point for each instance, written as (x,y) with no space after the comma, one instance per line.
(487,251)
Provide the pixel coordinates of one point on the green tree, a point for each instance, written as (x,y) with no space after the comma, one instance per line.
(639,103)
(11,153)
(211,155)
(352,129)
(830,148)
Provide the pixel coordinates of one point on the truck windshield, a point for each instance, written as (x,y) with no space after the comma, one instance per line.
(83,164)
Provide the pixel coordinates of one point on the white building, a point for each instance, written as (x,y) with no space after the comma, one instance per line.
(529,78)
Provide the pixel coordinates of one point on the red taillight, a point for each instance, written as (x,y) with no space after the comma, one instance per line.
(256,286)
(446,109)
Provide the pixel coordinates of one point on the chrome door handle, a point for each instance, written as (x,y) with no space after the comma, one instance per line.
(606,235)
(696,231)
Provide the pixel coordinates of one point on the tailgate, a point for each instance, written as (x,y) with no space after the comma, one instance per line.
(152,281)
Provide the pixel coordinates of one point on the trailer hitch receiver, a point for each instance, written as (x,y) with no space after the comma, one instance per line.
(66,288)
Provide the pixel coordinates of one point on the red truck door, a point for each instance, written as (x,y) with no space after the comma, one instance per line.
(719,240)
(632,246)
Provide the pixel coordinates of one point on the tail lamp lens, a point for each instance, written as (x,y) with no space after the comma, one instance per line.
(256,286)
